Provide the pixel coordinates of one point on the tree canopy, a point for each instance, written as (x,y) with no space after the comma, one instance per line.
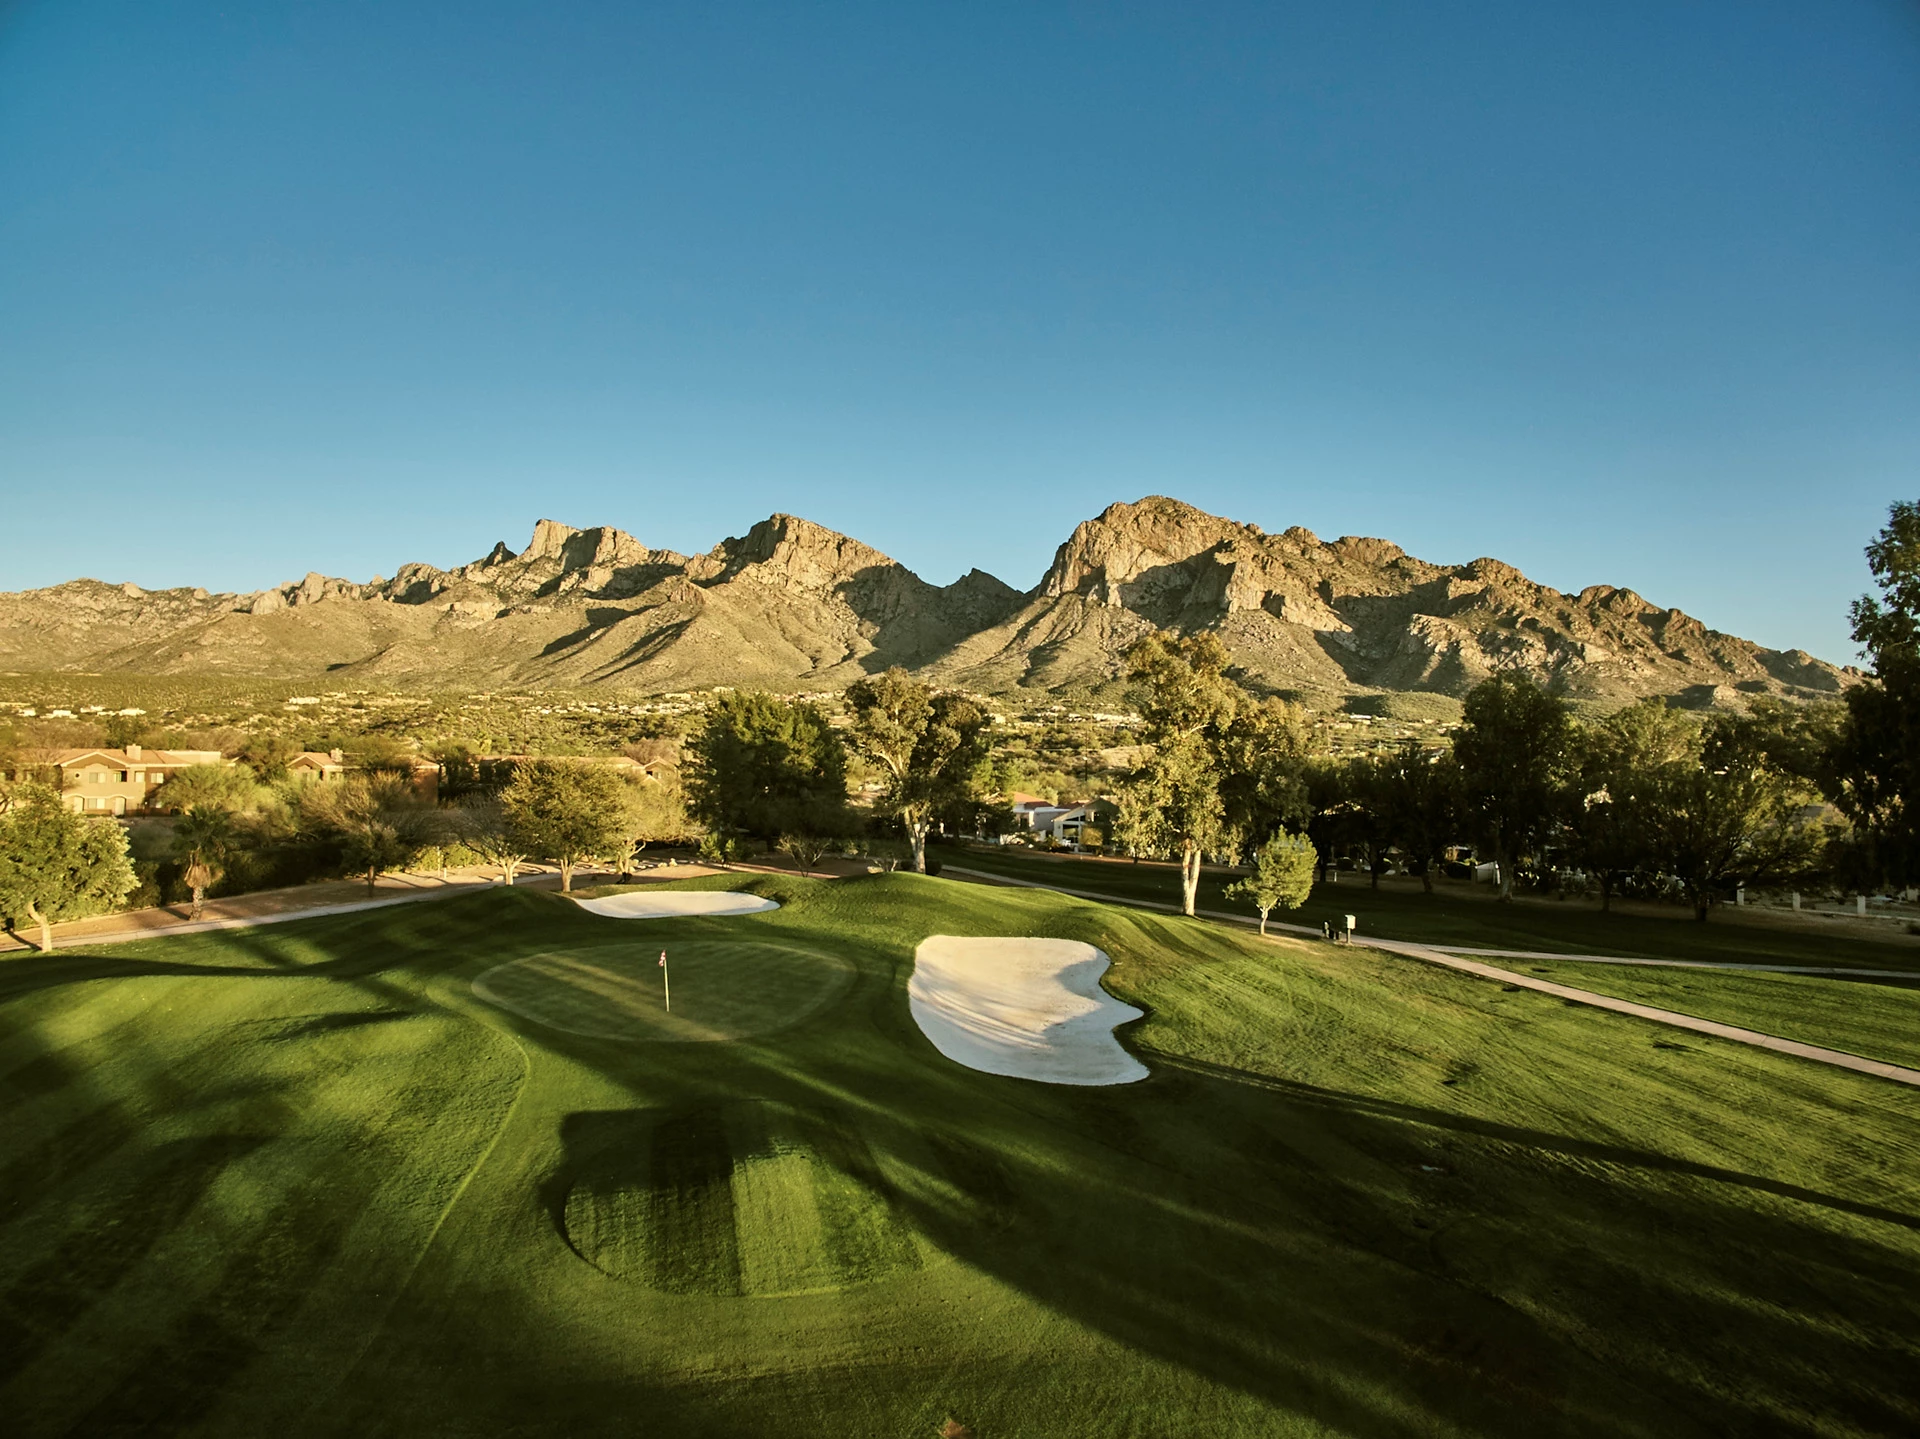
(57,865)
(1874,762)
(1282,875)
(1185,698)
(1516,754)
(565,811)
(760,764)
(930,747)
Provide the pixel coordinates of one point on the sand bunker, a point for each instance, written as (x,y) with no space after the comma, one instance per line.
(1029,1008)
(639,904)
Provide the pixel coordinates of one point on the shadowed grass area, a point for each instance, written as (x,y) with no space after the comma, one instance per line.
(301,1180)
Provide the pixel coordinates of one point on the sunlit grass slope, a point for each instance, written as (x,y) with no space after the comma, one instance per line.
(1876,1018)
(303,1180)
(1459,914)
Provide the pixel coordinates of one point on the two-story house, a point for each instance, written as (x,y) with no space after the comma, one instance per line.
(122,781)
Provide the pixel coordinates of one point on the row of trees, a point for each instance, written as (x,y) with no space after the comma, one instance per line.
(777,770)
(56,864)
(1647,791)
(1648,796)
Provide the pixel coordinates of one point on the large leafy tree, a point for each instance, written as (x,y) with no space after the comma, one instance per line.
(1419,796)
(1725,816)
(1516,757)
(651,812)
(55,864)
(1185,701)
(479,823)
(1368,820)
(1613,816)
(565,811)
(378,821)
(1263,751)
(1874,763)
(930,747)
(759,763)
(269,756)
(230,788)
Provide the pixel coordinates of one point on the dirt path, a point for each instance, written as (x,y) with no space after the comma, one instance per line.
(1431,955)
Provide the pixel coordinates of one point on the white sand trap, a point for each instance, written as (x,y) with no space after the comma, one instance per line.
(638,904)
(1030,1008)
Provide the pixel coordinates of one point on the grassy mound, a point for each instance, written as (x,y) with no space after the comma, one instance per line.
(721,989)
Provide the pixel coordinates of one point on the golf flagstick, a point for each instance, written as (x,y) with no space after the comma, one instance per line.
(666,980)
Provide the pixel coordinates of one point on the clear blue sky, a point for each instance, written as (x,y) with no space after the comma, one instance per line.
(1618,292)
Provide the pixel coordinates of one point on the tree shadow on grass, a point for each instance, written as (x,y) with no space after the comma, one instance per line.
(1609,1154)
(1379,1266)
(1313,1252)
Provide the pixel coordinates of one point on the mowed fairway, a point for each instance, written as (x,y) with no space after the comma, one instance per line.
(310,1180)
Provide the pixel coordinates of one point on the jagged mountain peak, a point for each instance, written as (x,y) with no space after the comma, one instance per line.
(792,603)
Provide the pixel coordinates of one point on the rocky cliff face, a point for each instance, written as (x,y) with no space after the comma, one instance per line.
(1326,618)
(792,605)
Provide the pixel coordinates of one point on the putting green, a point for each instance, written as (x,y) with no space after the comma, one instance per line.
(741,1200)
(721,989)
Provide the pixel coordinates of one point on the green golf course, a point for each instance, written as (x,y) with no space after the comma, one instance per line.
(1466,914)
(443,1168)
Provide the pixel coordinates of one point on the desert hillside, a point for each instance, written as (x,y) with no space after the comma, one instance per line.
(792,605)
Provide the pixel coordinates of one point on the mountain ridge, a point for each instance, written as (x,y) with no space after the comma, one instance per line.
(794,605)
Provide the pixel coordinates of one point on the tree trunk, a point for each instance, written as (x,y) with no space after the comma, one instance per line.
(566,876)
(46,929)
(199,899)
(1606,891)
(1189,875)
(1505,861)
(1701,904)
(917,835)
(1426,877)
(1263,922)
(373,879)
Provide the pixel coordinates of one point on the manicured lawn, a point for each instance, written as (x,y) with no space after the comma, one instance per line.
(303,1180)
(1462,914)
(1880,1020)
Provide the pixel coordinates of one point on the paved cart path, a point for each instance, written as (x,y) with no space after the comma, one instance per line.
(307,901)
(1431,955)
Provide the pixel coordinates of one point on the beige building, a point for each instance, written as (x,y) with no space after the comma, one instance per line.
(312,765)
(122,781)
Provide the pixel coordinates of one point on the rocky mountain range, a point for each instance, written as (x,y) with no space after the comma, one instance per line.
(794,606)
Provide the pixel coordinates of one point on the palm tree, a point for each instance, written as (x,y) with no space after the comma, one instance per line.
(201,836)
